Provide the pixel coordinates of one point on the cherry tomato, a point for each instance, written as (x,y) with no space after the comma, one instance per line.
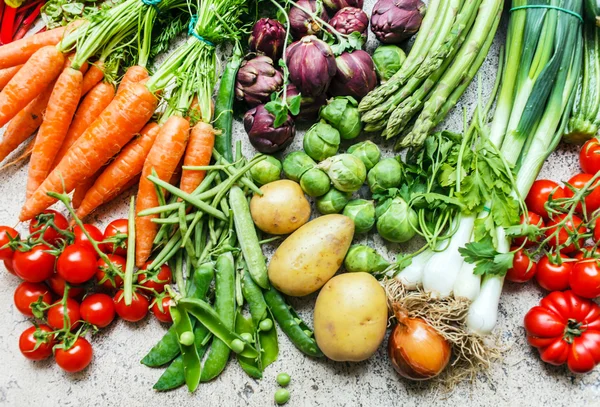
(6,235)
(561,236)
(29,293)
(553,277)
(585,278)
(50,235)
(56,314)
(28,341)
(57,284)
(532,219)
(82,239)
(592,201)
(523,268)
(76,264)
(8,264)
(539,193)
(587,252)
(114,228)
(134,312)
(76,358)
(98,309)
(165,314)
(156,280)
(35,265)
(589,156)
(103,272)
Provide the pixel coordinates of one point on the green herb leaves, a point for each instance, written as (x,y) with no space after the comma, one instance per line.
(488,261)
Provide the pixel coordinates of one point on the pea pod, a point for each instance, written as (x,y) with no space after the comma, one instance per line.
(254,297)
(190,357)
(268,343)
(291,325)
(252,366)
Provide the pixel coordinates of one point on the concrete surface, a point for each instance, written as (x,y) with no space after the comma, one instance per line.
(116,378)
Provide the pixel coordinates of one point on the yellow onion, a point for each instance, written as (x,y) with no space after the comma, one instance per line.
(417,350)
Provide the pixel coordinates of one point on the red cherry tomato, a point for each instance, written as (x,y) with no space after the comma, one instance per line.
(57,285)
(585,278)
(553,277)
(532,219)
(523,268)
(539,193)
(6,235)
(82,239)
(76,264)
(117,229)
(592,201)
(587,252)
(157,279)
(35,265)
(589,156)
(76,358)
(561,236)
(134,312)
(165,314)
(50,235)
(98,309)
(29,293)
(104,273)
(57,311)
(28,341)
(8,264)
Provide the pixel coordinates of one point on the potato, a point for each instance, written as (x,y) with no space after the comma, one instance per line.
(310,256)
(282,209)
(350,317)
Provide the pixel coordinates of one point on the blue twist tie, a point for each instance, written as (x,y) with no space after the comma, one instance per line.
(192,31)
(564,10)
(151,2)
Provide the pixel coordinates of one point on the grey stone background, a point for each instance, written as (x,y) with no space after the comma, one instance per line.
(116,378)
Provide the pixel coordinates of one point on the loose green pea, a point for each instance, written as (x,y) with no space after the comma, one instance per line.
(266,324)
(247,337)
(283,379)
(187,338)
(237,345)
(282,396)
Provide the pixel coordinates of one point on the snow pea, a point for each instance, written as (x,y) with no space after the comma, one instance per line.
(252,366)
(192,367)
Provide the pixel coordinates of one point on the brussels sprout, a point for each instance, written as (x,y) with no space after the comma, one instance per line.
(347,172)
(321,141)
(297,163)
(388,60)
(267,170)
(315,182)
(362,212)
(395,220)
(342,113)
(386,174)
(333,201)
(367,152)
(363,259)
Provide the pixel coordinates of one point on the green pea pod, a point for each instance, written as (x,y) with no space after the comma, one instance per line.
(252,366)
(190,357)
(291,325)
(254,297)
(269,346)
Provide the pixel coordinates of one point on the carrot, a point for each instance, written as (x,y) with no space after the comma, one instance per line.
(176,177)
(38,72)
(24,155)
(163,158)
(116,125)
(120,172)
(7,74)
(18,52)
(59,114)
(94,75)
(89,109)
(82,188)
(134,74)
(198,152)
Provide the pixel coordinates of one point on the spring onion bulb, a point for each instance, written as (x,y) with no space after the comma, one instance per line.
(411,277)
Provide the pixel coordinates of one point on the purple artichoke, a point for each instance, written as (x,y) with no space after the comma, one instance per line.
(393,21)
(258,123)
(355,75)
(256,80)
(309,105)
(335,5)
(268,37)
(349,20)
(302,24)
(311,64)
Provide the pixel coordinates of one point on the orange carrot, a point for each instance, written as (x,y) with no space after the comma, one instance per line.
(198,152)
(42,68)
(94,75)
(134,74)
(59,114)
(82,188)
(23,156)
(176,177)
(18,52)
(89,109)
(116,125)
(117,175)
(163,158)
(7,74)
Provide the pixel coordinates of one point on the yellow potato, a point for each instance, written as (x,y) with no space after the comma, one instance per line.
(282,209)
(350,317)
(310,256)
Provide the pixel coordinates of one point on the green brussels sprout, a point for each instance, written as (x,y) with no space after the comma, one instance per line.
(362,212)
(297,163)
(386,174)
(267,170)
(388,60)
(363,259)
(321,141)
(315,182)
(333,201)
(342,113)
(347,172)
(367,151)
(395,220)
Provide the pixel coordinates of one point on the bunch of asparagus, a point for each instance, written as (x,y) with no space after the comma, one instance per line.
(453,42)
